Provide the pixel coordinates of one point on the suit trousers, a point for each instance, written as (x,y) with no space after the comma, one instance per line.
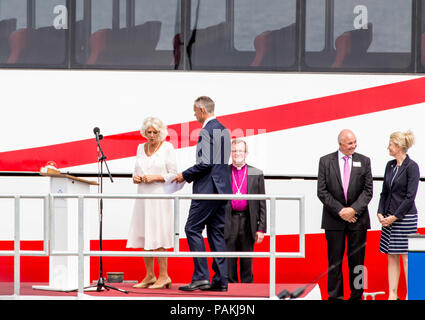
(356,244)
(210,214)
(240,239)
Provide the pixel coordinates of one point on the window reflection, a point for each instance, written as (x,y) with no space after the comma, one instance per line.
(366,34)
(145,40)
(422,34)
(258,36)
(31,40)
(343,35)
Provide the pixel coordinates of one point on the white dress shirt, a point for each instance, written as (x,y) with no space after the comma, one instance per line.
(207,120)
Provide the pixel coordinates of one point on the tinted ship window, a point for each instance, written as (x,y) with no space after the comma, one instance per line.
(130,34)
(370,35)
(421,35)
(243,34)
(36,39)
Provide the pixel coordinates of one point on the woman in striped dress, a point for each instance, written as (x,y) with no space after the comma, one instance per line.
(397,211)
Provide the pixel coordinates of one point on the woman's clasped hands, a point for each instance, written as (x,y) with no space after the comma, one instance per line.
(386,222)
(148,178)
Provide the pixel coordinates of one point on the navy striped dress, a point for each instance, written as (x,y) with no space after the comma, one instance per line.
(398,198)
(394,237)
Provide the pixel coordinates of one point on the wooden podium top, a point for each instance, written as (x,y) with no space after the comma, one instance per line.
(68,176)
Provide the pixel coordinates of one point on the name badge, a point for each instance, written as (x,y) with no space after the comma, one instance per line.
(357,164)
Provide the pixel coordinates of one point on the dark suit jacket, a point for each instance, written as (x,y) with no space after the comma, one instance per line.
(210,173)
(399,198)
(257,208)
(331,194)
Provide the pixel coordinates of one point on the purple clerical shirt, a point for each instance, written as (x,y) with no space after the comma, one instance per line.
(240,180)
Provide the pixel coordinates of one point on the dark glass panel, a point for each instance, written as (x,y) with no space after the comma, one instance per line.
(38,39)
(356,35)
(136,34)
(247,35)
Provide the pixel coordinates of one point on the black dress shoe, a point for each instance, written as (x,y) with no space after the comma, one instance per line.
(195,285)
(216,287)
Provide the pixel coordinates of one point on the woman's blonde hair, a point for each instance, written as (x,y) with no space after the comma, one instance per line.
(157,124)
(403,139)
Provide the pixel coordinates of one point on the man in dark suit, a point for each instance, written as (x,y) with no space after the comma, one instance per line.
(344,186)
(209,176)
(246,220)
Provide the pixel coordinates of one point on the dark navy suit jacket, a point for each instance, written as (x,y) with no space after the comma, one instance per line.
(399,198)
(210,174)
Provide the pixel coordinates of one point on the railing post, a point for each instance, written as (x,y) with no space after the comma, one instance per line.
(176,224)
(46,231)
(272,286)
(17,247)
(51,224)
(80,245)
(302,226)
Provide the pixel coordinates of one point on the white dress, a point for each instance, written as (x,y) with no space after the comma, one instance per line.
(152,223)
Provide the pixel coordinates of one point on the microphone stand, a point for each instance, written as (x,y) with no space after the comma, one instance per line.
(102,159)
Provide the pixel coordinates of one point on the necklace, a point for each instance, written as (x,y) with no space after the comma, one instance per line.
(236,183)
(151,153)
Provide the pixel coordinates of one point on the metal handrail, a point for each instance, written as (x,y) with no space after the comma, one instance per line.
(48,212)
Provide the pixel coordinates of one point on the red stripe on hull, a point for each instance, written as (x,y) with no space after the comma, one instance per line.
(254,122)
(288,270)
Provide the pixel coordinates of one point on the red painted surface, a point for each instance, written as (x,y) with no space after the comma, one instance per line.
(288,270)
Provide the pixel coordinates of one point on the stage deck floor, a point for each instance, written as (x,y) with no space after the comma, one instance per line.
(235,291)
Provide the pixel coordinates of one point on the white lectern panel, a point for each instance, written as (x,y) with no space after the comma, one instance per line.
(63,270)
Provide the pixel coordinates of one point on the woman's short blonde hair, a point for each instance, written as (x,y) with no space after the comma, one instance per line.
(157,124)
(403,139)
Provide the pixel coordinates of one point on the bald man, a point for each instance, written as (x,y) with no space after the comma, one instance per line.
(344,186)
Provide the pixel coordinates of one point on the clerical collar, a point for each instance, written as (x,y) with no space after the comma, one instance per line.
(239,168)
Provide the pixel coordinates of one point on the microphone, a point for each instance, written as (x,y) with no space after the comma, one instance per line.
(96,131)
(297,292)
(284,294)
(291,295)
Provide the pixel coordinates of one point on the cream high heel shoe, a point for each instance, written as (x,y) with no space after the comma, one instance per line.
(166,284)
(145,284)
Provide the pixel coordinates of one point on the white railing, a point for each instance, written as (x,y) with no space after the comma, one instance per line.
(48,215)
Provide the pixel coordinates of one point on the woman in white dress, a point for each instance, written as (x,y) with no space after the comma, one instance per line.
(152,222)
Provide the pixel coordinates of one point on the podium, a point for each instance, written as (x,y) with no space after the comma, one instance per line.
(416,267)
(63,270)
